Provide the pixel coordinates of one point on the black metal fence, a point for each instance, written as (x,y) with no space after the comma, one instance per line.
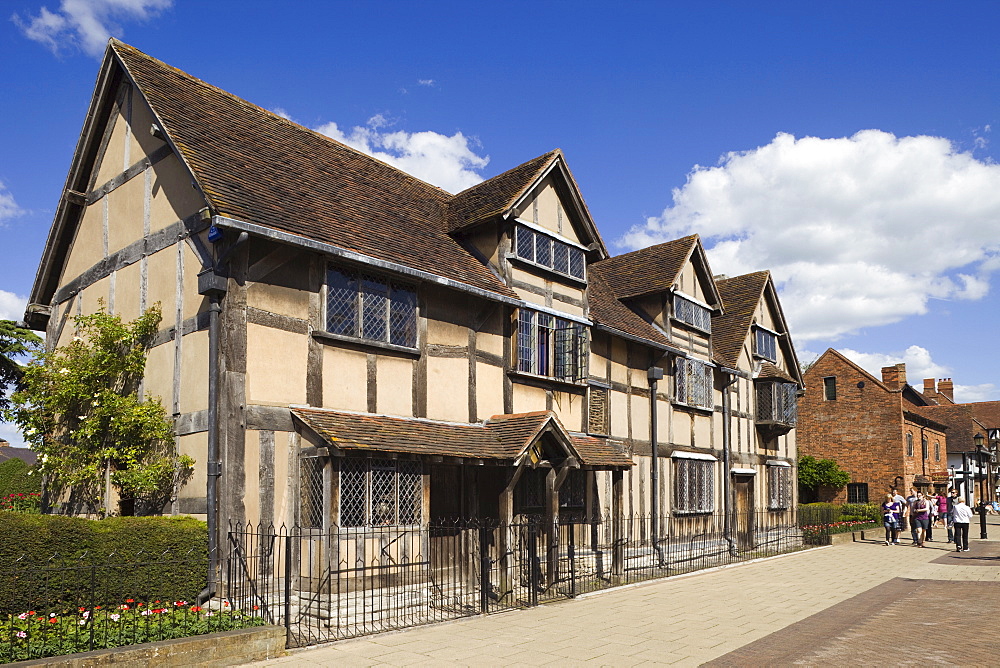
(63,605)
(345,582)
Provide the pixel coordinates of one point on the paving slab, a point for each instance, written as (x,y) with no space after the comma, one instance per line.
(849,603)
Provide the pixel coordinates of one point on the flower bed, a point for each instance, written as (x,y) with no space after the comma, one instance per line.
(816,533)
(34,635)
(21,502)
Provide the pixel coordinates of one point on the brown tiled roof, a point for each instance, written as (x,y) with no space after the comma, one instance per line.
(259,168)
(769,371)
(647,270)
(605,309)
(987,412)
(740,297)
(502,437)
(599,452)
(496,195)
(29,457)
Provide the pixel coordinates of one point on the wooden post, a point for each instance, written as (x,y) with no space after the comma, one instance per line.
(617,522)
(504,530)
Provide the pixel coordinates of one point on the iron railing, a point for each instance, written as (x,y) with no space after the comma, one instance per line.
(346,582)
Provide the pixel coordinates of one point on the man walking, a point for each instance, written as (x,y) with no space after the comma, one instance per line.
(961,514)
(911,502)
(898,498)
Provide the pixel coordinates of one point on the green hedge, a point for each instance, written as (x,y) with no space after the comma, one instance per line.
(51,561)
(828,513)
(14,478)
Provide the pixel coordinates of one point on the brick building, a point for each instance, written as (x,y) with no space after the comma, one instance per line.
(884,433)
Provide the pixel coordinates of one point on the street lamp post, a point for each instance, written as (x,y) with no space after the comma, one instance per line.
(981,459)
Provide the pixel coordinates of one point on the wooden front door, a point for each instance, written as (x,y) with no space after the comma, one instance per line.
(743,519)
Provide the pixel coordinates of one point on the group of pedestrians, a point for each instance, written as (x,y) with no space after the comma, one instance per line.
(922,513)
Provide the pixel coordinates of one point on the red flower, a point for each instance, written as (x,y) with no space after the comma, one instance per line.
(130,600)
(53,620)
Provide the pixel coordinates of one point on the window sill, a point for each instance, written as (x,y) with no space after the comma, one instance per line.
(547,380)
(692,513)
(329,338)
(569,278)
(687,325)
(693,409)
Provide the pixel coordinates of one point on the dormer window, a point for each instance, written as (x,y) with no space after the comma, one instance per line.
(545,251)
(765,344)
(692,313)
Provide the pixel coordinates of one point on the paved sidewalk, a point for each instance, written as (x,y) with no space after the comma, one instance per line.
(705,616)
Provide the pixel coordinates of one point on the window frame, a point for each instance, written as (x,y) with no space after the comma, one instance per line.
(924,447)
(779,487)
(852,492)
(783,401)
(772,337)
(558,253)
(364,472)
(684,371)
(697,496)
(909,444)
(686,315)
(829,388)
(354,314)
(547,346)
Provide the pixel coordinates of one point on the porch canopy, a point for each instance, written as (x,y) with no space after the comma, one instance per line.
(511,439)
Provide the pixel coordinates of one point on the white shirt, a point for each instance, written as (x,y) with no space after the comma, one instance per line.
(961,513)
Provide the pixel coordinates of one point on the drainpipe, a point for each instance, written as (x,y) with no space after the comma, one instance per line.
(213,283)
(727,440)
(654,373)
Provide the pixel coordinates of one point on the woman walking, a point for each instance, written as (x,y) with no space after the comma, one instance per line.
(891,510)
(961,515)
(921,517)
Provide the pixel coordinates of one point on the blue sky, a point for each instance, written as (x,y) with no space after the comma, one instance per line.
(848,148)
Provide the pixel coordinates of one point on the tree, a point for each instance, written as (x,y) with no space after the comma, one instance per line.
(14,342)
(79,408)
(815,473)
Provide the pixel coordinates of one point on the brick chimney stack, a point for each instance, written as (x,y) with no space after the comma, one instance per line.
(930,388)
(947,388)
(894,376)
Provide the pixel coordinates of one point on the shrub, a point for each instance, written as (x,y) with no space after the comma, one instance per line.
(56,561)
(16,478)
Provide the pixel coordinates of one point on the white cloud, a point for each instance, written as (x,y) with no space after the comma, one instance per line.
(8,207)
(447,162)
(12,306)
(284,114)
(425,82)
(86,24)
(858,231)
(9,432)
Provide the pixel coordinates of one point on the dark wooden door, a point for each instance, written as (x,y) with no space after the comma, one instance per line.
(743,520)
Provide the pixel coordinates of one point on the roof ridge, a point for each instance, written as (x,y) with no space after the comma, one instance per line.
(515,167)
(116,43)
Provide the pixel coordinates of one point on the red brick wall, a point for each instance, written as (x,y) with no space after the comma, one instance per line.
(862,430)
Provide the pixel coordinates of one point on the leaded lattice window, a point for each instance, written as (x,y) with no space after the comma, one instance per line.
(550,253)
(777,402)
(380,492)
(551,346)
(370,307)
(311,492)
(779,487)
(694,486)
(693,314)
(693,383)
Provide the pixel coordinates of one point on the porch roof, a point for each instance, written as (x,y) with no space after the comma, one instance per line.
(502,438)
